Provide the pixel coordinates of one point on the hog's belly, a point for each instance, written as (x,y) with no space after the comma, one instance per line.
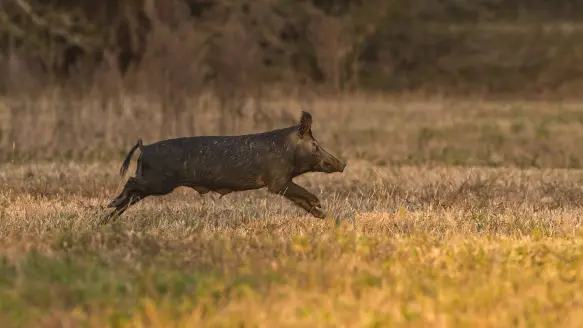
(235,176)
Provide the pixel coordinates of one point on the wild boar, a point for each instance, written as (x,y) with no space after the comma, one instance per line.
(225,164)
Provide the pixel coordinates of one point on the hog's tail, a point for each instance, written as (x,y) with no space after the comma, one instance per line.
(126,161)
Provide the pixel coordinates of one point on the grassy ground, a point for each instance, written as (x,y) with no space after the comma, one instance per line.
(449,214)
(421,246)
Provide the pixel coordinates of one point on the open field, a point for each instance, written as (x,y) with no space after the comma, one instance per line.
(414,246)
(450,213)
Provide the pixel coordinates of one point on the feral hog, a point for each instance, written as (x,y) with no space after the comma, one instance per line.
(225,164)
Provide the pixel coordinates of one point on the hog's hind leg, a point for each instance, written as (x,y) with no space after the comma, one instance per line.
(130,195)
(134,191)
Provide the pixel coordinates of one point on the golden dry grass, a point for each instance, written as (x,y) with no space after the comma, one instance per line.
(451,213)
(385,130)
(437,246)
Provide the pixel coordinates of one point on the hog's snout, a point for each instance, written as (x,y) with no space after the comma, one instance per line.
(331,165)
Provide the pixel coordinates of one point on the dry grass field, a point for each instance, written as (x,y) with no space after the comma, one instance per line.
(447,215)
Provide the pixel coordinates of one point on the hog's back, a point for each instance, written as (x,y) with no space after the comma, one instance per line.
(235,162)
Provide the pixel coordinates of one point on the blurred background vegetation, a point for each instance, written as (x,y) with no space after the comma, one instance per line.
(485,46)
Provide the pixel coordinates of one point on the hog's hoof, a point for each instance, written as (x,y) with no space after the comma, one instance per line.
(107,218)
(317,213)
(114,203)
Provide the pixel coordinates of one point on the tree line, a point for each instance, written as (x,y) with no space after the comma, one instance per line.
(488,45)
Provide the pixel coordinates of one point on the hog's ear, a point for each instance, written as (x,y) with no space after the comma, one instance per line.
(305,124)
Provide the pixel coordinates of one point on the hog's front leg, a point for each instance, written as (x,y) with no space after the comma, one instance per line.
(301,197)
